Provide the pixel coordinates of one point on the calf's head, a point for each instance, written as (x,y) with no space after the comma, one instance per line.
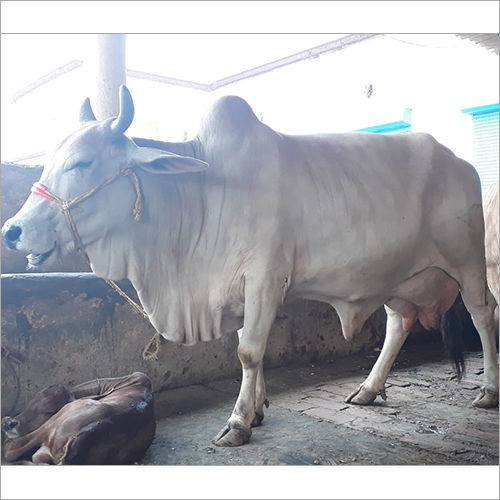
(86,159)
(44,404)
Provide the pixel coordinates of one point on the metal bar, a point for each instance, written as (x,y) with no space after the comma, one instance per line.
(38,154)
(313,52)
(168,80)
(47,78)
(332,46)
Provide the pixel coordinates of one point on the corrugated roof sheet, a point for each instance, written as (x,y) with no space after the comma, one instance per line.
(489,41)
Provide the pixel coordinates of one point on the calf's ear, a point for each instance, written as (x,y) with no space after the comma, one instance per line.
(157,161)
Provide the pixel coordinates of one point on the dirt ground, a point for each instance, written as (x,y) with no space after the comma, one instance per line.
(427,418)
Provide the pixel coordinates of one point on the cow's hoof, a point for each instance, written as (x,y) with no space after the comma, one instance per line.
(232,436)
(488,398)
(361,396)
(257,419)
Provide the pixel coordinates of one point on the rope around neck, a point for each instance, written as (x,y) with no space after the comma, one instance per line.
(153,346)
(154,342)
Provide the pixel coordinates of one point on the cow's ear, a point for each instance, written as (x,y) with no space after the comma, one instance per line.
(157,161)
(86,113)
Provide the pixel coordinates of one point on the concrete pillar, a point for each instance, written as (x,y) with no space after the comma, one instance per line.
(106,73)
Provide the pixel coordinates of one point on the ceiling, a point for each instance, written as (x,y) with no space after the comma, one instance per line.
(204,62)
(44,79)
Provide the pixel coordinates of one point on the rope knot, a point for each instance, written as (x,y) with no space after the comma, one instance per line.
(152,348)
(137,211)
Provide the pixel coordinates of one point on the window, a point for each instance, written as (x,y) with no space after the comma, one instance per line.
(391,127)
(485,143)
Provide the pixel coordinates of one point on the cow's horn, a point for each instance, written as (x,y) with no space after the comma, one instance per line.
(86,113)
(124,119)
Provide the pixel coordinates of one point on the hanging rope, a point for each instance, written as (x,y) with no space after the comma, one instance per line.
(137,212)
(153,344)
(8,358)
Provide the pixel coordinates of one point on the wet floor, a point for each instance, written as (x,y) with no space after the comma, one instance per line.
(426,419)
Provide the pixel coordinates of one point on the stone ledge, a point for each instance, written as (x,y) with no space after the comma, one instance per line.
(67,328)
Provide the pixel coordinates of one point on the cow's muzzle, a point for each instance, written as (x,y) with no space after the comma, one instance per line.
(11,234)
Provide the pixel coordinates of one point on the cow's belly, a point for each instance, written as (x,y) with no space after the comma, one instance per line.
(354,279)
(426,296)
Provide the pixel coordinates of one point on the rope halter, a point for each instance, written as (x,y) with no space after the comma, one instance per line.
(66,205)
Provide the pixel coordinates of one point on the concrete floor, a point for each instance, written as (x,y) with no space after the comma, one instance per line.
(427,418)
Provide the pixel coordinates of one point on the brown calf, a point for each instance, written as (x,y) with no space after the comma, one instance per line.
(103,421)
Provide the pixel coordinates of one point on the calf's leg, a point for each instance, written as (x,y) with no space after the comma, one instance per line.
(42,456)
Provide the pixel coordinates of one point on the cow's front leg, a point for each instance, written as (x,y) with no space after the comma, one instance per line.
(260,398)
(374,384)
(260,393)
(261,305)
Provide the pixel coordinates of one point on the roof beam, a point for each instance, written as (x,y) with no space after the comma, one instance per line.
(168,80)
(325,48)
(52,75)
(311,53)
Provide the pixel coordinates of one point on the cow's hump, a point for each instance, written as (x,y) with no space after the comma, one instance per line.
(230,114)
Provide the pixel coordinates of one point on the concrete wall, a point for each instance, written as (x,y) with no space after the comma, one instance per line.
(66,328)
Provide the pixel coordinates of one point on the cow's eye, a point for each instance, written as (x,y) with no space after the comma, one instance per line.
(82,164)
(78,164)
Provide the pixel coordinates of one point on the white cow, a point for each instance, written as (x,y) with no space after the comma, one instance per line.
(243,218)
(491,239)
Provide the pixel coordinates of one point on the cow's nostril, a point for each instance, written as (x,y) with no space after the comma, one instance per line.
(12,234)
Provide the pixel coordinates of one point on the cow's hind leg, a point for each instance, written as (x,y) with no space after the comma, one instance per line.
(374,384)
(261,304)
(482,306)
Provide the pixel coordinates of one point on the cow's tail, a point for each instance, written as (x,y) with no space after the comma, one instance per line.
(452,334)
